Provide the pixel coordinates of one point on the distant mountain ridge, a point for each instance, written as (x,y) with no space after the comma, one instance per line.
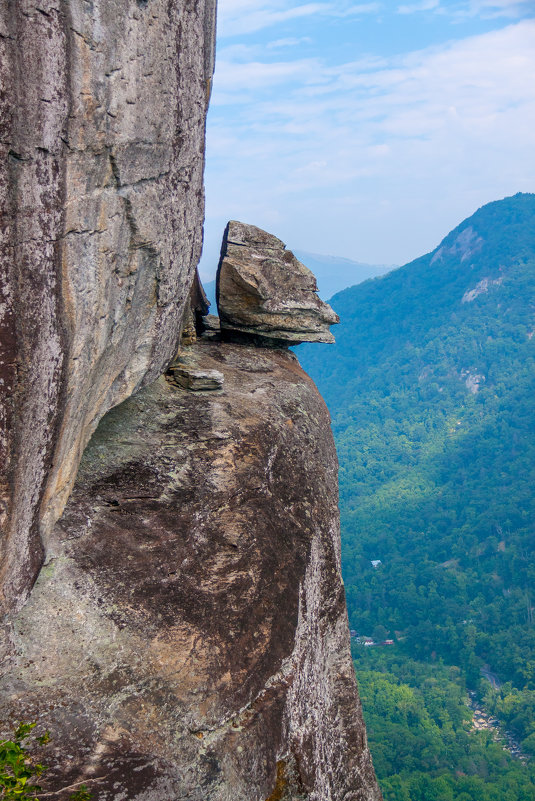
(334,273)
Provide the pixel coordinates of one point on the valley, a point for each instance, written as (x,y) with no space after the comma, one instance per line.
(482,721)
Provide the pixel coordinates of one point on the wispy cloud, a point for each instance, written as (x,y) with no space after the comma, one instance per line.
(462,9)
(238,17)
(423,5)
(356,10)
(290,41)
(498,8)
(233,78)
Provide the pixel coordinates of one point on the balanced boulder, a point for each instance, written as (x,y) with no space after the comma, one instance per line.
(265,294)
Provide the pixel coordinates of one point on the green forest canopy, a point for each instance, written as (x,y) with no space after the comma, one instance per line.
(431,388)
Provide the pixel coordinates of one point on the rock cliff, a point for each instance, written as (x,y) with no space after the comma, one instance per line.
(187,637)
(173,609)
(102,112)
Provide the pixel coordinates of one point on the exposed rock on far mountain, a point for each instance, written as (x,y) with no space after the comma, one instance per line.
(265,294)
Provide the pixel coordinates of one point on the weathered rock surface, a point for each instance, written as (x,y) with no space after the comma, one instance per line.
(211,326)
(197,380)
(265,293)
(102,111)
(187,637)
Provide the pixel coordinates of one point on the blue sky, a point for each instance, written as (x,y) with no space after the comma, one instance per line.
(367,130)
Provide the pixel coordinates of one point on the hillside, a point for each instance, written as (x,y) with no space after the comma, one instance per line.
(431,389)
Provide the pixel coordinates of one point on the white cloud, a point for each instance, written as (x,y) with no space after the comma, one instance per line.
(499,8)
(238,17)
(237,77)
(357,10)
(291,41)
(493,69)
(486,9)
(255,20)
(328,154)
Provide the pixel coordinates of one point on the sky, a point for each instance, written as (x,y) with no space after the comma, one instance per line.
(367,130)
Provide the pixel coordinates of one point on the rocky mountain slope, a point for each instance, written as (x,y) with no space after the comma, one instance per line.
(187,637)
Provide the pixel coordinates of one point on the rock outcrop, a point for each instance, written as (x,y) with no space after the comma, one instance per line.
(103,114)
(180,624)
(187,637)
(265,294)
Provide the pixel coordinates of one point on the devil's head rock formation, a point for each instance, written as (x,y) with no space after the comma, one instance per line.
(264,293)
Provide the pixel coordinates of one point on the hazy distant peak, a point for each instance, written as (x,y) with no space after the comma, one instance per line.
(341,260)
(334,273)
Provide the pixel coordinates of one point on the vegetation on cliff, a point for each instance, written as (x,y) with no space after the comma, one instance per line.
(20,768)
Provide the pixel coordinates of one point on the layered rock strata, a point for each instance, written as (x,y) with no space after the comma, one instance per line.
(265,294)
(187,637)
(102,111)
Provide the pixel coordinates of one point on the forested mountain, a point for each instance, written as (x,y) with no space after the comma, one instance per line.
(431,388)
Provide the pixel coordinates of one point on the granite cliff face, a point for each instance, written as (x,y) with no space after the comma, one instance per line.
(187,637)
(173,609)
(102,111)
